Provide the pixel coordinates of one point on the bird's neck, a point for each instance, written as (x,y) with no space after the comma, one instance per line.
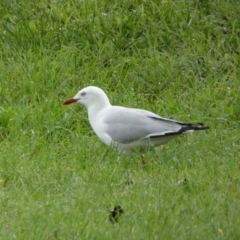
(96,108)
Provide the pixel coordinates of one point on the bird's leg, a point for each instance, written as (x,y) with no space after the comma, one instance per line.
(143,160)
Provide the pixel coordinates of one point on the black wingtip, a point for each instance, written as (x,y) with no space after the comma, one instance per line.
(186,128)
(194,127)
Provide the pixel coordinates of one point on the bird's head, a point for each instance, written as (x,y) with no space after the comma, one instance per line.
(89,96)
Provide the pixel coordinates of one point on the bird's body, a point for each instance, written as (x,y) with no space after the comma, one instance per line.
(128,129)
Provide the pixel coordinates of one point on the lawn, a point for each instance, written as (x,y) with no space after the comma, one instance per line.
(180,59)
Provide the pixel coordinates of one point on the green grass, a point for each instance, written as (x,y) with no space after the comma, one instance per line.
(179,59)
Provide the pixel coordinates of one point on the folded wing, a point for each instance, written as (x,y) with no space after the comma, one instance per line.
(126,125)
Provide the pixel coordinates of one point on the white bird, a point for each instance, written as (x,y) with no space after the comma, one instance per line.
(128,129)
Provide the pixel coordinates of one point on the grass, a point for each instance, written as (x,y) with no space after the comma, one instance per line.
(177,58)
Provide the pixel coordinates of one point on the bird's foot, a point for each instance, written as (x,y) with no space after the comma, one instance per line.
(144,163)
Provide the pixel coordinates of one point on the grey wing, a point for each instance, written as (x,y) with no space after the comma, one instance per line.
(126,125)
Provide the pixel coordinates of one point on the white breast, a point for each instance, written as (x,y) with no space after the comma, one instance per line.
(98,126)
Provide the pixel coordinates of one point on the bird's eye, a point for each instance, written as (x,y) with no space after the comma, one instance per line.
(83,94)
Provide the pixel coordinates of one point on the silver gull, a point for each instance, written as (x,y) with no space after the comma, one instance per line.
(128,129)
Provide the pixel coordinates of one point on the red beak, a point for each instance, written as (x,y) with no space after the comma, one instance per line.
(69,101)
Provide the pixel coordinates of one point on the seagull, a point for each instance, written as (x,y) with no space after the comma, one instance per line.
(128,129)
